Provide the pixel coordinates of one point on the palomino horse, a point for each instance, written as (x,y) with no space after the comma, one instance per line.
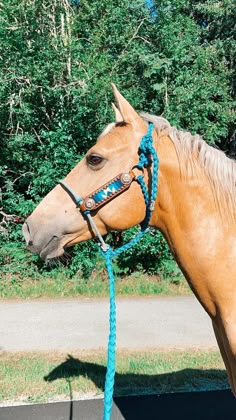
(194,209)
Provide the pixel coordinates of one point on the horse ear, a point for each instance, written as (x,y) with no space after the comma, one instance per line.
(118,115)
(126,110)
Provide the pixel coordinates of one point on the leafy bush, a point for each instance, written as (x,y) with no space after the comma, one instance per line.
(56,64)
(17,262)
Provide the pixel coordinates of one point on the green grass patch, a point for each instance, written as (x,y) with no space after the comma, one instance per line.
(61,285)
(40,377)
(25,275)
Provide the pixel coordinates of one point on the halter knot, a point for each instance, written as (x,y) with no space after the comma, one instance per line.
(145,149)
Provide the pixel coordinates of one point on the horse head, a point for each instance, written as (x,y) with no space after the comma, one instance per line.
(58,223)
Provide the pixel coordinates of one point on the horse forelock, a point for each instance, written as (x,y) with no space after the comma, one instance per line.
(194,151)
(107,130)
(111,126)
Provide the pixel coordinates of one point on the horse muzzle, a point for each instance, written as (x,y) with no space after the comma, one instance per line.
(47,247)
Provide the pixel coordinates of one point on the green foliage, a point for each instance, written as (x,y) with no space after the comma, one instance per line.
(56,65)
(145,256)
(17,262)
(85,259)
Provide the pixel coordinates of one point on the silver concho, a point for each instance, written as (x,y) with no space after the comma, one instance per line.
(89,203)
(126,178)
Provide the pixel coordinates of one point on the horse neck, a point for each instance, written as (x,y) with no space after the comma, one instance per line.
(187,215)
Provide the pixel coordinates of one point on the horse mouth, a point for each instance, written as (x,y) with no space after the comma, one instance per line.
(55,248)
(52,249)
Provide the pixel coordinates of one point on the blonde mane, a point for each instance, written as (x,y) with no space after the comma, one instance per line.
(192,149)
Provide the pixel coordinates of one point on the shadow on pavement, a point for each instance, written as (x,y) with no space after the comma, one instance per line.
(130,382)
(207,405)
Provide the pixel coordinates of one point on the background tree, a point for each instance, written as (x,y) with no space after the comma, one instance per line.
(57,60)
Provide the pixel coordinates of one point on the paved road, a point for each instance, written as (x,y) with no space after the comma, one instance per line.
(75,324)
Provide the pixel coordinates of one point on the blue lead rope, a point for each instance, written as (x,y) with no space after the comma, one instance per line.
(147,155)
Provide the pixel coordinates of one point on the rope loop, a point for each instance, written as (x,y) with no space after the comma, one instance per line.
(145,149)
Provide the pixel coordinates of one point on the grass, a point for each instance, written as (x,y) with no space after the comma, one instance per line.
(60,285)
(41,377)
(24,275)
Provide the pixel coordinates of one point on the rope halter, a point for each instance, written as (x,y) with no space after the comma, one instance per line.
(147,157)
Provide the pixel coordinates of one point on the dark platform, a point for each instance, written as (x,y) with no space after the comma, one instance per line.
(211,405)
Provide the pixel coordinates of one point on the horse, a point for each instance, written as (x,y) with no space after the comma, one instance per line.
(194,209)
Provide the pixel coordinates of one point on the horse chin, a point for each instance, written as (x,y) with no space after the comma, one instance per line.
(51,251)
(52,255)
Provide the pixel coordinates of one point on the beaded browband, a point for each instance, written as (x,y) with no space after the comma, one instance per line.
(103,194)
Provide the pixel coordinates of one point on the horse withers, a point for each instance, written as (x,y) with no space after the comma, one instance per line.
(194,209)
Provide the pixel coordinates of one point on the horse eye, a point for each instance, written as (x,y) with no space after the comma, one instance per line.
(94,160)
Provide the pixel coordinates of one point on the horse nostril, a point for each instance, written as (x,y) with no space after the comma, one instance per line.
(30,243)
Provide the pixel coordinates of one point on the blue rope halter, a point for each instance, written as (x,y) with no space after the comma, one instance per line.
(147,156)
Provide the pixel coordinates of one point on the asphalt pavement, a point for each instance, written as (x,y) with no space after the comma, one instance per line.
(213,405)
(76,324)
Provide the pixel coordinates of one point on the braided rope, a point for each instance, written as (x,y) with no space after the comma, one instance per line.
(147,156)
(111,354)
